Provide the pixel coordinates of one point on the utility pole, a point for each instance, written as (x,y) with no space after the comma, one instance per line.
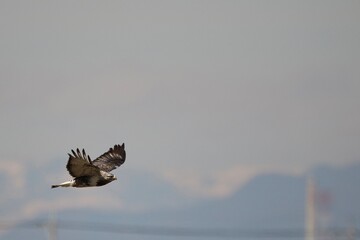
(51,227)
(310,210)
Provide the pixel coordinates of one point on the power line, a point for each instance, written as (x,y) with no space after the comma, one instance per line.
(173,231)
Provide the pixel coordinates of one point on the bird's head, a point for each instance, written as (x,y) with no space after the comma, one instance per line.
(110,177)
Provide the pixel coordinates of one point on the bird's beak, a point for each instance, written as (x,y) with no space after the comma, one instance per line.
(115,178)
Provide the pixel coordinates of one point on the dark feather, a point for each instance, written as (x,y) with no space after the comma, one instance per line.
(112,159)
(79,165)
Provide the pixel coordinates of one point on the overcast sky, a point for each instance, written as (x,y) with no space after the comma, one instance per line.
(220,89)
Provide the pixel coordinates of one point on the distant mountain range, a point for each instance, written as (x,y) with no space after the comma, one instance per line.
(270,201)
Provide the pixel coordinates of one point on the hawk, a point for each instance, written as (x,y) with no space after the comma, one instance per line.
(95,173)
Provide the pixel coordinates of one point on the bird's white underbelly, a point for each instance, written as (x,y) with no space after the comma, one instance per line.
(93,180)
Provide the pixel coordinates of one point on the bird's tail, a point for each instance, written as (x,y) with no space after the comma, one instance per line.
(64,184)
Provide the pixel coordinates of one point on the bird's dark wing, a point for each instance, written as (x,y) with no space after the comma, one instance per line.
(111,159)
(79,165)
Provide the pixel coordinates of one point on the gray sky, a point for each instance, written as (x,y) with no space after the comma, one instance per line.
(202,89)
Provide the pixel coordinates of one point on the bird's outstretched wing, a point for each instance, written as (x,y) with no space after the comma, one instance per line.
(80,165)
(111,159)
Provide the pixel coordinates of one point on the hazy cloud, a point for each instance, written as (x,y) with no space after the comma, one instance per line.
(222,183)
(83,201)
(14,180)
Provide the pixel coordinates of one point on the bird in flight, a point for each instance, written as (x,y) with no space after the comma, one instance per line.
(95,173)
